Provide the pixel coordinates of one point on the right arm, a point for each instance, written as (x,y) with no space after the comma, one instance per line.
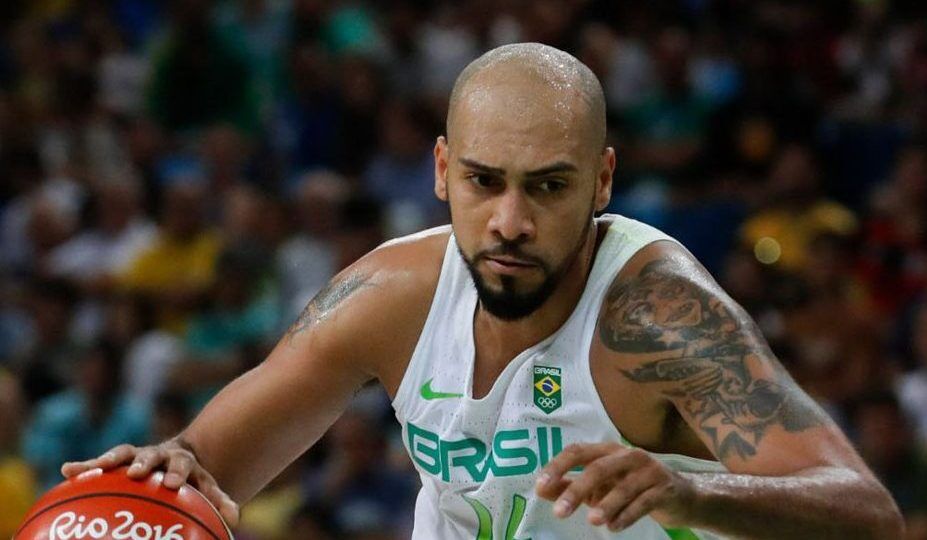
(347,335)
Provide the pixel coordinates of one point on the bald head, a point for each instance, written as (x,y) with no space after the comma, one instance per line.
(555,82)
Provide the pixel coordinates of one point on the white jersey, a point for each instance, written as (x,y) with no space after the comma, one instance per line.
(478,458)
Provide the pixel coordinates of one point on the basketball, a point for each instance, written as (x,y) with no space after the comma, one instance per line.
(111,506)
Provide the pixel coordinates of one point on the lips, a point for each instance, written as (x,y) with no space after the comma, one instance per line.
(508,265)
(510,261)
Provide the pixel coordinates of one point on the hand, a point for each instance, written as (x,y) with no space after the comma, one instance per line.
(619,484)
(179,463)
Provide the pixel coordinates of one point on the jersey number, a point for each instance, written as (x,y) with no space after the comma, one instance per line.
(485,518)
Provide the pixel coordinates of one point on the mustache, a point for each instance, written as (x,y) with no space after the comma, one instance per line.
(509,249)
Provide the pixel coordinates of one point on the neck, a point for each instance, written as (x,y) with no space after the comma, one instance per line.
(503,339)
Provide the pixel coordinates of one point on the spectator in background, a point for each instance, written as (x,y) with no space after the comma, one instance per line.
(835,357)
(224,152)
(270,513)
(34,223)
(201,75)
(867,61)
(403,170)
(794,213)
(239,320)
(119,231)
(912,386)
(170,414)
(121,75)
(17,480)
(445,43)
(313,522)
(149,351)
(884,441)
(179,267)
(305,134)
(365,497)
(361,98)
(622,62)
(46,366)
(307,260)
(361,229)
(264,27)
(244,209)
(894,253)
(89,417)
(15,323)
(666,130)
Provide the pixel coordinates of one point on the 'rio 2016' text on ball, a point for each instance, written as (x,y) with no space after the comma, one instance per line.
(70,526)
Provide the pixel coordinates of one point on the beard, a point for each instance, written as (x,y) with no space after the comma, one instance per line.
(508,303)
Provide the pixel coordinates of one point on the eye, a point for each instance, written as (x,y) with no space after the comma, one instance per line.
(482,180)
(550,185)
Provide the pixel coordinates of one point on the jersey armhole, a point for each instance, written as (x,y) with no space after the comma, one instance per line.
(414,366)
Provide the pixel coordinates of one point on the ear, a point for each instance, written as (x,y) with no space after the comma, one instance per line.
(603,186)
(441,168)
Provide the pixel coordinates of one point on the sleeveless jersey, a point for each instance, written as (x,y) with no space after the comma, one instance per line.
(479,458)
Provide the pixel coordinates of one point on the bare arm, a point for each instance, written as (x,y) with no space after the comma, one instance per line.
(792,474)
(263,420)
(269,416)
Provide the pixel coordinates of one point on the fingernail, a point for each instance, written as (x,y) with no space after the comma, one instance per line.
(135,467)
(543,479)
(597,516)
(173,479)
(563,507)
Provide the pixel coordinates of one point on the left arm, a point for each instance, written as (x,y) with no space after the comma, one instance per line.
(680,339)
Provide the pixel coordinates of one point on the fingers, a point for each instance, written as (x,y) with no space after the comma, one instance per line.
(639,507)
(208,486)
(113,458)
(181,466)
(146,460)
(600,476)
(618,499)
(178,469)
(552,480)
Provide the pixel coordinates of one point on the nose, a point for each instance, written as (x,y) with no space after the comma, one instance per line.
(512,217)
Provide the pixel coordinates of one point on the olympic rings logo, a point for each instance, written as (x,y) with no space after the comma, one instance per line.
(547,403)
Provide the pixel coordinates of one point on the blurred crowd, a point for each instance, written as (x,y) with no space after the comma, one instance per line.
(178,178)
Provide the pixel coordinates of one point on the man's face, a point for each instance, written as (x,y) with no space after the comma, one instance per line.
(523,180)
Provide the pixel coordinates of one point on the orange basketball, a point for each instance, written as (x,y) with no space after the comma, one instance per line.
(110,506)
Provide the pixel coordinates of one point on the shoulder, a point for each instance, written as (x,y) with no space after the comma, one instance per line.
(376,307)
(407,269)
(661,299)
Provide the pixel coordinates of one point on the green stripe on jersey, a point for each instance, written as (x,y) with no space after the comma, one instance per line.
(681,534)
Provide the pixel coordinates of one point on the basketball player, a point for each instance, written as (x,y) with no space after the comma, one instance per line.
(555,375)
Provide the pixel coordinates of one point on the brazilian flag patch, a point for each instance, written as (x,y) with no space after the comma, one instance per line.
(548,388)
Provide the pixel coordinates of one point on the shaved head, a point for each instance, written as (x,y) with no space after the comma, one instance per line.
(524,168)
(552,81)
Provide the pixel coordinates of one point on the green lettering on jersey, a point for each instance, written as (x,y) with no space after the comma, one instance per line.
(470,461)
(513,452)
(426,455)
(510,453)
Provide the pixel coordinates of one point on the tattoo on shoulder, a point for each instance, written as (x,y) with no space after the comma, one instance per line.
(326,300)
(710,357)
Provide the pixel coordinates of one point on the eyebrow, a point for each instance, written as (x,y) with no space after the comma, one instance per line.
(556,167)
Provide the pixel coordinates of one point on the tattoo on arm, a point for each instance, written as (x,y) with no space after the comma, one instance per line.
(709,356)
(327,300)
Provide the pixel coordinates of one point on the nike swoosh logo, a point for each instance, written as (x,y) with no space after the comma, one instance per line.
(429,394)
